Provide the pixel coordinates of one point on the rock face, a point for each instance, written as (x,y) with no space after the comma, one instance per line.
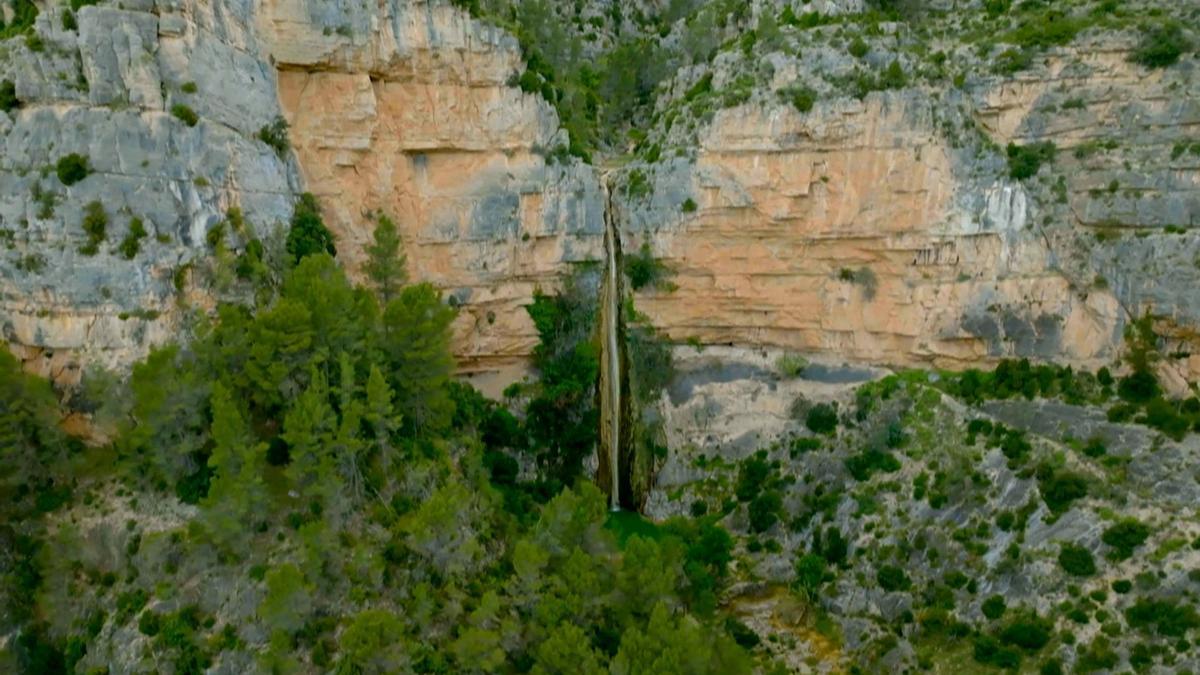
(882,229)
(105,92)
(402,108)
(856,229)
(413,117)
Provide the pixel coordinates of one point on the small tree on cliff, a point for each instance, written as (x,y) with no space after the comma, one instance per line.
(386,263)
(308,235)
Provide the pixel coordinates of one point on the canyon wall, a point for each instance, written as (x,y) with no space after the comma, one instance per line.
(414,117)
(884,228)
(857,230)
(105,92)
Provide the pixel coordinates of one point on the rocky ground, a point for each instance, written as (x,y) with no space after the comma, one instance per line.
(932,518)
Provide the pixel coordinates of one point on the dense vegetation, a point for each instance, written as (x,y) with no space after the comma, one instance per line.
(372,508)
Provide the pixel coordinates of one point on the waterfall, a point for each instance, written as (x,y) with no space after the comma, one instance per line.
(610,378)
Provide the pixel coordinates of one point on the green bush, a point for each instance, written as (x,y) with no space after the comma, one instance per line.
(1169,618)
(988,650)
(822,418)
(790,365)
(643,269)
(308,234)
(858,48)
(1045,29)
(8,96)
(1025,160)
(810,573)
(1124,537)
(149,623)
(1030,632)
(892,578)
(1099,655)
(1095,447)
(802,98)
(24,13)
(1161,45)
(893,76)
(1060,488)
(993,608)
(764,510)
(72,168)
(132,243)
(869,462)
(688,206)
(1052,666)
(753,474)
(95,226)
(275,135)
(185,114)
(1140,386)
(1077,560)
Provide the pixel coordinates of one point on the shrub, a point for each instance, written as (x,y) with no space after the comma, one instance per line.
(308,234)
(1122,586)
(1060,488)
(1025,160)
(1077,560)
(1012,61)
(832,546)
(865,464)
(275,135)
(1164,416)
(810,573)
(8,96)
(1169,618)
(858,48)
(764,510)
(988,650)
(1139,387)
(95,226)
(1095,447)
(1161,45)
(802,98)
(790,365)
(1099,655)
(149,623)
(24,13)
(72,168)
(993,608)
(1053,666)
(1030,633)
(893,76)
(185,114)
(132,243)
(753,474)
(892,578)
(688,206)
(1124,537)
(822,419)
(643,269)
(188,87)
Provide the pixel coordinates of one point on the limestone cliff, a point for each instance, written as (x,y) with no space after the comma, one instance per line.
(878,226)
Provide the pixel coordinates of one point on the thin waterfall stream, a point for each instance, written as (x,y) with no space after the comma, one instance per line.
(610,392)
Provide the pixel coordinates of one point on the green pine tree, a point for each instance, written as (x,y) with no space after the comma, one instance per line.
(386,263)
(237,495)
